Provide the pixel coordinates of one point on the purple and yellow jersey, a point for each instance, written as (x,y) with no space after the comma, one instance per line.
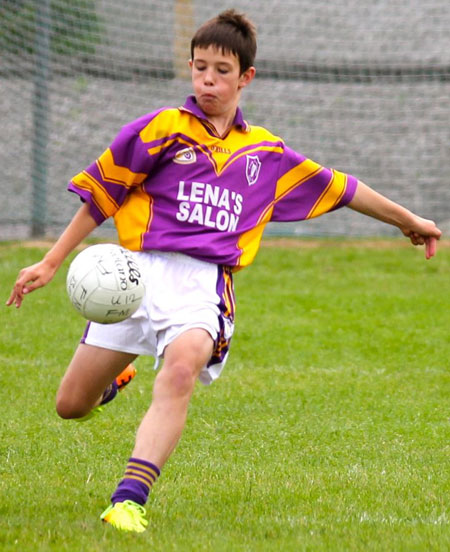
(172,184)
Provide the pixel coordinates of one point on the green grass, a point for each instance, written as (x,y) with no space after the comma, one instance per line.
(328,431)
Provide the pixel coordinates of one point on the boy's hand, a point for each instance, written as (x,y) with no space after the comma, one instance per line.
(29,279)
(424,231)
(39,274)
(419,230)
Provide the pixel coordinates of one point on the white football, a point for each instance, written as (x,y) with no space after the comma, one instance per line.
(104,283)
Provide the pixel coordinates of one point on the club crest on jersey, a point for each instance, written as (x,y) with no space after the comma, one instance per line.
(252,169)
(185,156)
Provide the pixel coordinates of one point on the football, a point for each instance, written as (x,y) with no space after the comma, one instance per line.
(105,284)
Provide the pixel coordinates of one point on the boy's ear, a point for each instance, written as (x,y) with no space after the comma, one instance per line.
(190,63)
(246,77)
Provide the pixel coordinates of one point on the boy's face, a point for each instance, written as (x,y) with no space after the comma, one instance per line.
(217,81)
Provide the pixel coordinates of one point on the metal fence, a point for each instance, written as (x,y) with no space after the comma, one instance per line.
(363,87)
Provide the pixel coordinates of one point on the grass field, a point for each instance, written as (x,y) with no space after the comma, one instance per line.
(328,431)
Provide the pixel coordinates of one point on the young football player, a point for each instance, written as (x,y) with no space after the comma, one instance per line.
(191,190)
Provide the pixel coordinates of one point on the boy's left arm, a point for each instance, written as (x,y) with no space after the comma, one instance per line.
(419,230)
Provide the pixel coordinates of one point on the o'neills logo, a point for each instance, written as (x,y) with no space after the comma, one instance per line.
(185,156)
(252,169)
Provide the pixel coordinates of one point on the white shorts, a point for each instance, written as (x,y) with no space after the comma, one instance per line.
(182,293)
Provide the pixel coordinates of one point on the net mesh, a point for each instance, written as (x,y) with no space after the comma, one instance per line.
(359,86)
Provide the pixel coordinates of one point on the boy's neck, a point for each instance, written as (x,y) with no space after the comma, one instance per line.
(222,120)
(222,124)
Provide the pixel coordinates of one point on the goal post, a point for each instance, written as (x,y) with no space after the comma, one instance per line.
(41,118)
(184,28)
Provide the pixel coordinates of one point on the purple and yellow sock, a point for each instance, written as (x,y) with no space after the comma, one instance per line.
(109,393)
(137,482)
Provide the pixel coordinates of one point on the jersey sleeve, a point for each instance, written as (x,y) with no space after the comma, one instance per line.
(122,167)
(305,189)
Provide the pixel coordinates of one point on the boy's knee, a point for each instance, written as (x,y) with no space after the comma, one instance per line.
(179,378)
(68,409)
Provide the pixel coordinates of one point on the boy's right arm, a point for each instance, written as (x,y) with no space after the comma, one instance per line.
(39,274)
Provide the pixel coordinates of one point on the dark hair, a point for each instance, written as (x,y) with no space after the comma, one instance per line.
(231,32)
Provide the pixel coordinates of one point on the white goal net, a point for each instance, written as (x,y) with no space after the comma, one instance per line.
(363,87)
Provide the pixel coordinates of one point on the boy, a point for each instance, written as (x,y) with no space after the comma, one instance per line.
(191,190)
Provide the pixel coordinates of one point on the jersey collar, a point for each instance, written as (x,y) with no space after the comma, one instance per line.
(192,106)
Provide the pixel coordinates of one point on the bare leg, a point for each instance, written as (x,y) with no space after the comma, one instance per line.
(161,427)
(89,373)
